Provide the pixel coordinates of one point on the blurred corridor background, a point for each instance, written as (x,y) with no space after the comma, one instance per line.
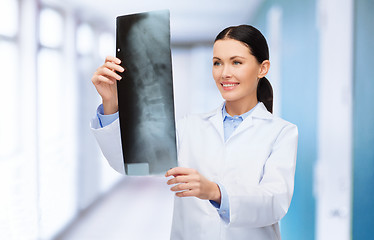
(52,174)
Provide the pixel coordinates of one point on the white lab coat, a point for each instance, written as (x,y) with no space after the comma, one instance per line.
(256,165)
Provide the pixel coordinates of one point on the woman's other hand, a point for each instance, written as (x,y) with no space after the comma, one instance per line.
(190,183)
(105,80)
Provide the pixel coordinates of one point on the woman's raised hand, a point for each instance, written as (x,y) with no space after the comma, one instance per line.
(105,80)
(190,183)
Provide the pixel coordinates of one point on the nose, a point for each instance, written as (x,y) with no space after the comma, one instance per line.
(226,72)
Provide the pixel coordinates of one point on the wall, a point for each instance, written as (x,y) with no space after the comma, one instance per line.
(363,122)
(327,89)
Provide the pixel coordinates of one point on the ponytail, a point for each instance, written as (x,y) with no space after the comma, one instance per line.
(265,93)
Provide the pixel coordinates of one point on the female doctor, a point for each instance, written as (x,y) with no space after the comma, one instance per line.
(236,169)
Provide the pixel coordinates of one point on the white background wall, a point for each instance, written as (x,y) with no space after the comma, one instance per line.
(334,166)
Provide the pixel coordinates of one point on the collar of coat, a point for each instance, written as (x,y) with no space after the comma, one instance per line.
(259,112)
(215,117)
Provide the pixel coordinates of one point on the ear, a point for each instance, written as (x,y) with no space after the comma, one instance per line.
(264,69)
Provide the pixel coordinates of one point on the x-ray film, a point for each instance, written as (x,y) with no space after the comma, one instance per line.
(145,93)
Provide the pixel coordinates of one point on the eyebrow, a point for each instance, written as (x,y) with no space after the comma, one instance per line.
(231,58)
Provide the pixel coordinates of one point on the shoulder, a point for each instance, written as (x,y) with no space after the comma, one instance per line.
(270,124)
(196,118)
(262,113)
(284,132)
(285,128)
(283,123)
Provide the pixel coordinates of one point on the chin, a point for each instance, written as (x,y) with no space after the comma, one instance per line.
(229,97)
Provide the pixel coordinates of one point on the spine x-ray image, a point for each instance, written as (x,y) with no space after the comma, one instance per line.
(145,93)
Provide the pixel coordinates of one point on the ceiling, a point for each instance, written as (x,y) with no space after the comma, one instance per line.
(190,21)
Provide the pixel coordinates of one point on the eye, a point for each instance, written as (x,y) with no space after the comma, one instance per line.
(216,63)
(237,63)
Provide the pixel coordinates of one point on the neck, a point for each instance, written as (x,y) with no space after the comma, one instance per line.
(235,108)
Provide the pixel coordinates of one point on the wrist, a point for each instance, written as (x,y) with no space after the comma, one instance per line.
(215,193)
(110,107)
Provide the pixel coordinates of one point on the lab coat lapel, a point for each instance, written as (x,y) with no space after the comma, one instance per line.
(259,112)
(247,123)
(215,117)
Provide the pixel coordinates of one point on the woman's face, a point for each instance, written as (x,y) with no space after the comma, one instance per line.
(236,71)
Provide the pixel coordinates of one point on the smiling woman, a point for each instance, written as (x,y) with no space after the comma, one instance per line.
(241,61)
(236,73)
(236,168)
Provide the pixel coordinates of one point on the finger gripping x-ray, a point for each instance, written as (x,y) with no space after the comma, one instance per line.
(145,93)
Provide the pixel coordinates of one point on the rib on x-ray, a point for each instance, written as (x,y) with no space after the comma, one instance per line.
(145,93)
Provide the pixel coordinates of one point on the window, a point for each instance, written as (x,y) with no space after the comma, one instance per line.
(10,82)
(9,18)
(92,48)
(9,98)
(85,39)
(56,137)
(47,100)
(106,45)
(51,28)
(18,217)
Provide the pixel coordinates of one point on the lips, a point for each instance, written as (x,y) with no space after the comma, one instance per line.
(229,85)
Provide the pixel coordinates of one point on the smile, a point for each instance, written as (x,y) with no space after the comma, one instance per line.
(229,86)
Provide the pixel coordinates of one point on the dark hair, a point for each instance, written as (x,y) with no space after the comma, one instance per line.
(258,47)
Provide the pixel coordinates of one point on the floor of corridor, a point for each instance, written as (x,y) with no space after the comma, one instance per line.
(136,208)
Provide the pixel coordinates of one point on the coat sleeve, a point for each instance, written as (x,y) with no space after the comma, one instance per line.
(109,140)
(266,203)
(180,130)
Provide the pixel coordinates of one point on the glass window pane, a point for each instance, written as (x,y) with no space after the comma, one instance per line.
(51,28)
(85,39)
(9,97)
(57,162)
(50,94)
(8,17)
(106,45)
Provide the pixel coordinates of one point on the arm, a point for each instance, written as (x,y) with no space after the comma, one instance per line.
(109,140)
(267,202)
(105,81)
(108,136)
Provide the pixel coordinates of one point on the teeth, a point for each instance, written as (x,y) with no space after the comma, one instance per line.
(229,85)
